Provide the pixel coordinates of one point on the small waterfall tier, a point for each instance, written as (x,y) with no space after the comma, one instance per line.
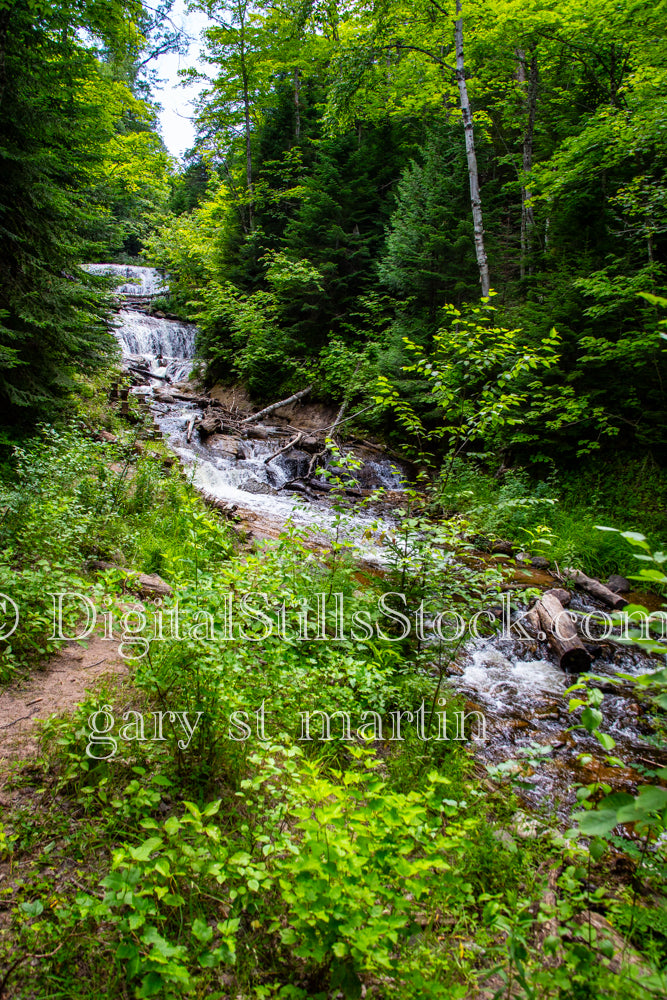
(132,280)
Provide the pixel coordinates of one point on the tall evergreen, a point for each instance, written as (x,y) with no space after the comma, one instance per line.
(55,117)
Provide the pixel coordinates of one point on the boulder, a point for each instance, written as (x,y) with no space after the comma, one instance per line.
(539,562)
(225,444)
(208,426)
(152,586)
(502,548)
(252,485)
(618,584)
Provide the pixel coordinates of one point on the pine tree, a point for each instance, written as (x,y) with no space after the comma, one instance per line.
(56,114)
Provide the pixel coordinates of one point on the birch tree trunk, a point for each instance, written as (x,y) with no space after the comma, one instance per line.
(246,115)
(528,84)
(466,114)
(297,105)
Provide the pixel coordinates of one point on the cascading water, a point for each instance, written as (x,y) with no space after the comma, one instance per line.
(232,470)
(519,690)
(139,281)
(166,345)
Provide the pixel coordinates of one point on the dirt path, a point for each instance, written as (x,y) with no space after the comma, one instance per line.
(59,688)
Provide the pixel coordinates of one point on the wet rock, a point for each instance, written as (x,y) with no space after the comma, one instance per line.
(311,444)
(208,426)
(294,464)
(618,584)
(523,557)
(539,562)
(163,396)
(226,445)
(562,595)
(252,485)
(502,548)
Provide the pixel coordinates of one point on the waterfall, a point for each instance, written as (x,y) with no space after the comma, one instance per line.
(151,336)
(131,280)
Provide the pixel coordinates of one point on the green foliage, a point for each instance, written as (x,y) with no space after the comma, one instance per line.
(62,154)
(478,377)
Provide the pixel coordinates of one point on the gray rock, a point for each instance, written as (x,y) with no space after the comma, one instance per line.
(539,562)
(502,548)
(618,584)
(252,485)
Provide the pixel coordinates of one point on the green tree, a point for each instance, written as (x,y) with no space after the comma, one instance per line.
(58,115)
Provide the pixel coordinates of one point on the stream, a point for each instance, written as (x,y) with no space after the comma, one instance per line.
(514,683)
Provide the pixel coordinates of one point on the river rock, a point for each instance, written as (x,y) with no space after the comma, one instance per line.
(295,463)
(618,584)
(163,396)
(252,485)
(539,562)
(226,445)
(502,548)
(208,426)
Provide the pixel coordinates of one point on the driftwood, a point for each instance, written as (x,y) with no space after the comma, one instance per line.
(595,589)
(290,444)
(573,657)
(276,406)
(258,433)
(191,427)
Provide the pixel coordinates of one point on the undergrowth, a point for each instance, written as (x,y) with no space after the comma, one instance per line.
(180,836)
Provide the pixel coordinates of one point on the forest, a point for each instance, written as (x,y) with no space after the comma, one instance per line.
(333,501)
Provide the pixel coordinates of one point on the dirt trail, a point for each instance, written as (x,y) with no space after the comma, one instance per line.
(59,688)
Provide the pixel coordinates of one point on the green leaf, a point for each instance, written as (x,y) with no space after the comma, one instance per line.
(606,741)
(596,823)
(144,851)
(202,931)
(591,719)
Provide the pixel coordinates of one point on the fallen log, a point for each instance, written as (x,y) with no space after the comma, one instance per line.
(191,427)
(296,487)
(317,484)
(276,406)
(561,633)
(258,433)
(595,588)
(290,444)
